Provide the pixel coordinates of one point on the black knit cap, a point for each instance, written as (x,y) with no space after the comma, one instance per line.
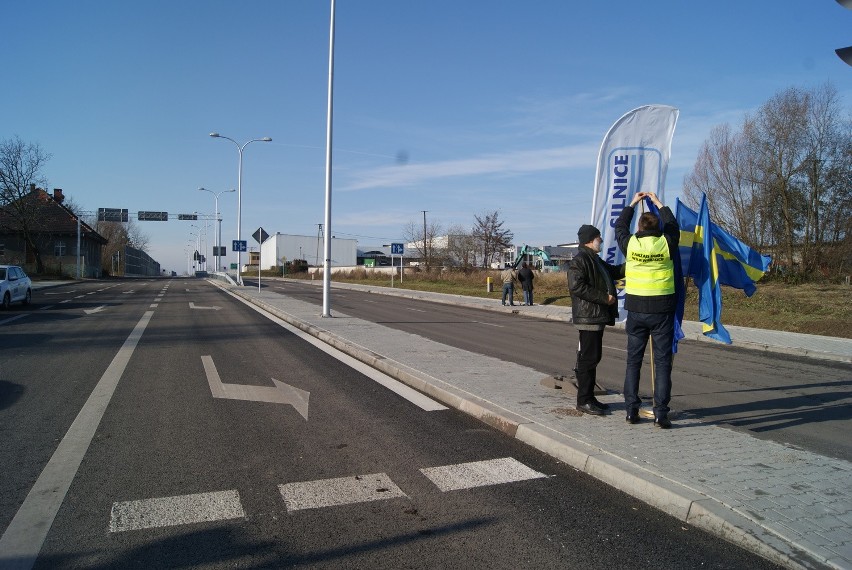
(587,233)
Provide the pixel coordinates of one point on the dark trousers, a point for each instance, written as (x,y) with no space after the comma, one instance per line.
(588,357)
(509,293)
(660,327)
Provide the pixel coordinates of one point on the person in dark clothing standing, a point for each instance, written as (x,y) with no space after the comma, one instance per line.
(651,302)
(526,276)
(594,305)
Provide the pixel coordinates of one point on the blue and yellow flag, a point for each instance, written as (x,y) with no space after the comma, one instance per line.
(713,257)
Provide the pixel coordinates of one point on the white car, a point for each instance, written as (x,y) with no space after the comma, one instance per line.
(14,286)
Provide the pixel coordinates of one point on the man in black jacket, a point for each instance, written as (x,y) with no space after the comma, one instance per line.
(594,305)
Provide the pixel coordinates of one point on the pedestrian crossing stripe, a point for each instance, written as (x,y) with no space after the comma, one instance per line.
(171,511)
(298,496)
(479,474)
(340,491)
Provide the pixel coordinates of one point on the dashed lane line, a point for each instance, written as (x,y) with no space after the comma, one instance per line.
(172,511)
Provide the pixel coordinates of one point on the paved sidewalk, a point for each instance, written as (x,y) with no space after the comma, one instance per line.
(790,506)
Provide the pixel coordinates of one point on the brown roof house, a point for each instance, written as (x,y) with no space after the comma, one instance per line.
(38,232)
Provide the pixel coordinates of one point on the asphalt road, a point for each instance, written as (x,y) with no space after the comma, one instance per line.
(171,476)
(797,401)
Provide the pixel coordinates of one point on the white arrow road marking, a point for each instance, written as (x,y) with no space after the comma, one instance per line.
(281,393)
(213,308)
(95,310)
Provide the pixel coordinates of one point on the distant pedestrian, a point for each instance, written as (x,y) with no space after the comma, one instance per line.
(508,276)
(526,276)
(650,302)
(594,305)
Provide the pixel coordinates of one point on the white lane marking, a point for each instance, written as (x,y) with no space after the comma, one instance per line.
(340,491)
(490,324)
(279,393)
(153,305)
(194,306)
(61,292)
(480,473)
(66,301)
(95,310)
(417,310)
(23,538)
(172,511)
(421,401)
(615,348)
(91,293)
(79,296)
(10,319)
(47,307)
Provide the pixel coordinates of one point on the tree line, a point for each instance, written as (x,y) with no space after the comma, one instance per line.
(464,248)
(782,181)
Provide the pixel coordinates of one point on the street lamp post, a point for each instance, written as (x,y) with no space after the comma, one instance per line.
(240,193)
(217,257)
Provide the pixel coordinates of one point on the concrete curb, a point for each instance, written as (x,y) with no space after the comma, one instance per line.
(671,497)
(563,314)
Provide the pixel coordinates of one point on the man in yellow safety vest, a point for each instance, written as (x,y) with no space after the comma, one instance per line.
(650,301)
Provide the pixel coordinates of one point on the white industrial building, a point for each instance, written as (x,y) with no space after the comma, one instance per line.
(280,248)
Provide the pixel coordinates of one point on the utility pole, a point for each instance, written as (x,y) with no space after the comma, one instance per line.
(425,250)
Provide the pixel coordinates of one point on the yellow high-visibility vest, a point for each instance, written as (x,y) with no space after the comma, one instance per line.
(649,270)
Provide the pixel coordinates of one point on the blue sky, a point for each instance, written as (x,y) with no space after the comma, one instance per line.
(498,105)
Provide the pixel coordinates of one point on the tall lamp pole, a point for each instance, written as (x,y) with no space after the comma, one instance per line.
(326,274)
(239,193)
(217,257)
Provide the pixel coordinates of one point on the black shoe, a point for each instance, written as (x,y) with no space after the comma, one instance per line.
(664,423)
(601,405)
(633,417)
(590,409)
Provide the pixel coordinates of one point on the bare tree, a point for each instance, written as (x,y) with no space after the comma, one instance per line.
(782,180)
(423,243)
(723,173)
(20,174)
(490,235)
(461,247)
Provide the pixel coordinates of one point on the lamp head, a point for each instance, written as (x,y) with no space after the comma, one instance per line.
(266,139)
(214,135)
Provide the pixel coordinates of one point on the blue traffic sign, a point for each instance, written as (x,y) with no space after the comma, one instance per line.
(238,245)
(397,248)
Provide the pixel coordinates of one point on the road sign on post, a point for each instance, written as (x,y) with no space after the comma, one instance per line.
(260,235)
(187,216)
(397,248)
(238,245)
(153,216)
(112,215)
